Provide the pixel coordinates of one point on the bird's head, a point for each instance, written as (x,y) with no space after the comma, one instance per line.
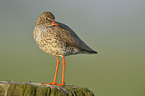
(46,17)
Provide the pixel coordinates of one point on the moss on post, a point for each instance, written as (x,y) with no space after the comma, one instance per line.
(11,88)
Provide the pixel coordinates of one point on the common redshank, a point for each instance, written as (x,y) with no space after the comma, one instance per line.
(58,40)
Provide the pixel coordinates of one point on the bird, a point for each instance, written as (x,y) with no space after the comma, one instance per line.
(58,40)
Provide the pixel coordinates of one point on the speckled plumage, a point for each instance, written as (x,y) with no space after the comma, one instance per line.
(58,40)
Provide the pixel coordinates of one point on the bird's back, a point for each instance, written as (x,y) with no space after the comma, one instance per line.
(71,39)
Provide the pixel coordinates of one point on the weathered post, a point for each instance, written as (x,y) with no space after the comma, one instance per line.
(11,88)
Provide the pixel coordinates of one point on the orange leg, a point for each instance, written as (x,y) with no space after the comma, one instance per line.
(54,81)
(63,73)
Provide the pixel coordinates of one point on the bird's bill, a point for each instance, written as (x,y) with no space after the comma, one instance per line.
(54,23)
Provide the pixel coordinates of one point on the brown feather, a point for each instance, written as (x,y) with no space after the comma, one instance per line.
(71,39)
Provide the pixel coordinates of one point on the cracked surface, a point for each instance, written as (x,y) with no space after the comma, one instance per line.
(11,88)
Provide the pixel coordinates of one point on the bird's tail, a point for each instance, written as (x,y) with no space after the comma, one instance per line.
(89,51)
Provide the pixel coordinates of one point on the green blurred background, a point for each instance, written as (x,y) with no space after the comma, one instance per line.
(114,28)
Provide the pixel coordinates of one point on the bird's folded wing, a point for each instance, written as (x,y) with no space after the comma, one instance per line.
(69,37)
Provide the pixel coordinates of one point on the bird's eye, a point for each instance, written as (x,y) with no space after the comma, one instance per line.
(46,18)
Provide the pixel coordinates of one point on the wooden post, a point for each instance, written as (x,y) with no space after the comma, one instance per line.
(11,88)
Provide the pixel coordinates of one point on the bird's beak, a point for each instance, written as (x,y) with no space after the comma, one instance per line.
(54,23)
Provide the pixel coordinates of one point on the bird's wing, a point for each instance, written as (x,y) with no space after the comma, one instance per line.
(71,39)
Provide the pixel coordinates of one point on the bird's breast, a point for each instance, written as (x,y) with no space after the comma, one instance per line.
(48,40)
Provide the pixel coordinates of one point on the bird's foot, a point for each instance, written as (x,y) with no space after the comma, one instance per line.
(61,84)
(54,83)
